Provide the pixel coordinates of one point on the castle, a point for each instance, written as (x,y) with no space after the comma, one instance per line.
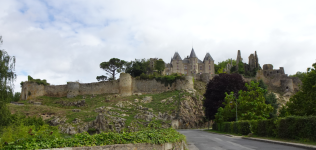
(191,65)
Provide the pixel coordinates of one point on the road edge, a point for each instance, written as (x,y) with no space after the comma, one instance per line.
(281,142)
(270,141)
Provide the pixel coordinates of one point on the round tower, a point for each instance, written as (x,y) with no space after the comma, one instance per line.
(125,84)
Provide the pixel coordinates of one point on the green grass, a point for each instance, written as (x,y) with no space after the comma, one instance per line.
(88,114)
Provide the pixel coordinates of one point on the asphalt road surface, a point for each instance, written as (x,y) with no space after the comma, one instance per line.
(202,140)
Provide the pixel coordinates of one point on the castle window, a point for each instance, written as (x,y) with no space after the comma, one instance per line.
(200,67)
(185,66)
(209,61)
(209,67)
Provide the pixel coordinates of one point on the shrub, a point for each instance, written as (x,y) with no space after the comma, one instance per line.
(244,128)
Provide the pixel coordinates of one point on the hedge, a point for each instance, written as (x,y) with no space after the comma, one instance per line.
(293,127)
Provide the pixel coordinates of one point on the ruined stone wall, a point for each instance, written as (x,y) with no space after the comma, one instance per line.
(125,86)
(279,82)
(32,90)
(150,86)
(56,90)
(99,87)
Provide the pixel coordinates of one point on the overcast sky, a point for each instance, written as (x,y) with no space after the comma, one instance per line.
(66,40)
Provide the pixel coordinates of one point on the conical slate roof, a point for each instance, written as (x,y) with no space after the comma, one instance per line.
(176,56)
(192,55)
(207,56)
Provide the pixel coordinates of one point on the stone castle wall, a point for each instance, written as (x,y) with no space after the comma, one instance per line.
(56,90)
(125,86)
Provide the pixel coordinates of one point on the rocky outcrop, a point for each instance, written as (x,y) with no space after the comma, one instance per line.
(191,112)
(77,104)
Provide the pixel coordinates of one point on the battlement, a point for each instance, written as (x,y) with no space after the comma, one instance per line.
(125,86)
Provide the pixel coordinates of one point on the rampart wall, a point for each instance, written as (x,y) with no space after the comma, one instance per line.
(125,86)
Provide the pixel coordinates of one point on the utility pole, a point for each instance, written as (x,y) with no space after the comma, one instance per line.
(235,94)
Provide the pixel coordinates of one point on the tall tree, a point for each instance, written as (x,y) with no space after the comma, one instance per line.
(300,75)
(250,105)
(7,77)
(160,65)
(303,103)
(137,67)
(113,67)
(216,89)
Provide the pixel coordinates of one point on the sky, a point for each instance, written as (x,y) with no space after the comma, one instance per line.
(66,40)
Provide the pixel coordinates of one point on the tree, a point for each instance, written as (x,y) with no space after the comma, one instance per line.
(102,78)
(270,99)
(303,103)
(137,67)
(300,75)
(221,65)
(250,104)
(113,67)
(7,78)
(241,69)
(160,65)
(216,89)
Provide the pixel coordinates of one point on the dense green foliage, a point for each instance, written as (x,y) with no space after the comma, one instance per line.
(241,69)
(303,103)
(221,65)
(113,67)
(250,105)
(300,75)
(138,67)
(160,65)
(216,89)
(7,78)
(102,78)
(45,138)
(166,79)
(270,99)
(38,81)
(297,128)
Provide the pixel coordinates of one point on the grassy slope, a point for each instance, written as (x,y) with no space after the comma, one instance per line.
(87,113)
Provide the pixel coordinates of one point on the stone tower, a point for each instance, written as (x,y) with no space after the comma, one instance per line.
(193,62)
(239,59)
(253,61)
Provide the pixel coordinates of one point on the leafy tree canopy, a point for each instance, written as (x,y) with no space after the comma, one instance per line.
(221,65)
(102,78)
(113,67)
(216,89)
(270,99)
(7,77)
(304,101)
(138,67)
(160,65)
(250,105)
(300,75)
(241,69)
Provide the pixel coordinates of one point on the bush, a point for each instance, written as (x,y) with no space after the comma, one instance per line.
(293,127)
(38,81)
(244,128)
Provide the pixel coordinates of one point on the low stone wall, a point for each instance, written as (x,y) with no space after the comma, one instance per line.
(125,86)
(139,146)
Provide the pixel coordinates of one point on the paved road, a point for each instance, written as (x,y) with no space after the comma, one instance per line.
(202,140)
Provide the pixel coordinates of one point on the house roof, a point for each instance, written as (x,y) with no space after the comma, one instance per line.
(208,56)
(192,55)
